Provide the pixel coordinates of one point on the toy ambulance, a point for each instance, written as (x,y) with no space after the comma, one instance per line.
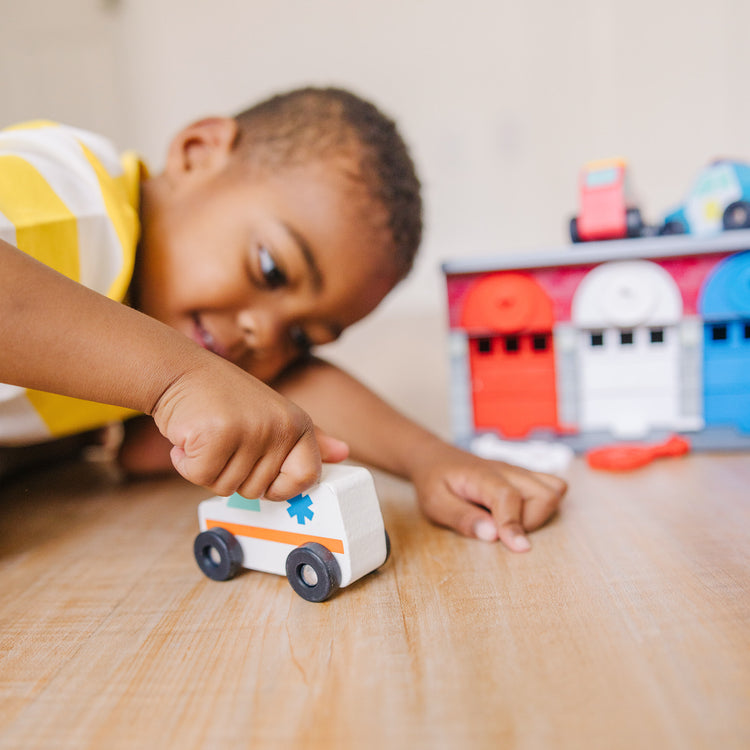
(321,540)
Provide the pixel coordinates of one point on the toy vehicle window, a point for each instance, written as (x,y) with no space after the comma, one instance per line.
(597,338)
(716,180)
(511,344)
(484,346)
(719,333)
(657,335)
(703,185)
(539,342)
(747,330)
(601,177)
(626,338)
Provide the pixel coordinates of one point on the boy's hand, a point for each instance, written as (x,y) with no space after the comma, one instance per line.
(488,500)
(231,433)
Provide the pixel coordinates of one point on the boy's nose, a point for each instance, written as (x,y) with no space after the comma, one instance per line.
(260,329)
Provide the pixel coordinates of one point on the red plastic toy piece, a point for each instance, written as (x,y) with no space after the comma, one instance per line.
(629,456)
(607,210)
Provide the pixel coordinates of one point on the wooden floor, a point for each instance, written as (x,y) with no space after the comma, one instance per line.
(627,626)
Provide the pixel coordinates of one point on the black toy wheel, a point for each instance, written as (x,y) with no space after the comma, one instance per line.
(574,234)
(673,227)
(633,222)
(737,215)
(312,571)
(387,548)
(218,554)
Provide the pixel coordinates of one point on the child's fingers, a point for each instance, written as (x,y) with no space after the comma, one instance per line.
(299,471)
(446,509)
(247,475)
(506,504)
(332,450)
(261,476)
(201,467)
(242,471)
(218,475)
(542,495)
(279,475)
(463,508)
(540,507)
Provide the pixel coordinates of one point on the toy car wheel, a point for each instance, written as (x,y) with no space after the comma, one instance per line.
(673,227)
(312,571)
(737,215)
(574,234)
(218,554)
(633,222)
(387,548)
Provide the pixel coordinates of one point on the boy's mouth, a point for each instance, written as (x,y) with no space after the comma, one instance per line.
(205,339)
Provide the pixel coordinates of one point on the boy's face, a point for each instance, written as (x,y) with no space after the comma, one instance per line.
(257,268)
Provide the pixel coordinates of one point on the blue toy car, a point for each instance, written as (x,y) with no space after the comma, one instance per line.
(719,199)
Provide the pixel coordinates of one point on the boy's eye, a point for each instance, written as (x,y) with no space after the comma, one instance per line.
(272,275)
(300,339)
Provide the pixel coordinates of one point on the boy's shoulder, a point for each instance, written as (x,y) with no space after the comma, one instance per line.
(69,199)
(54,140)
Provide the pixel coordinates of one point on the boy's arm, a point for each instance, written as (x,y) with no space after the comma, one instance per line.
(229,432)
(479,498)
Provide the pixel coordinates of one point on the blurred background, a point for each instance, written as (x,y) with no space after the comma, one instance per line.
(501,102)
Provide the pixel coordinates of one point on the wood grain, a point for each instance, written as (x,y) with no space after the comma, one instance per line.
(628,625)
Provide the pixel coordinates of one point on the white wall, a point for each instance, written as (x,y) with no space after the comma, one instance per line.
(56,62)
(500,100)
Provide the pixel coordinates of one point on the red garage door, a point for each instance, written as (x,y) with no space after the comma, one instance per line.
(509,319)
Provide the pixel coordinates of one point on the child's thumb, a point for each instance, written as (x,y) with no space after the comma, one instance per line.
(332,450)
(179,459)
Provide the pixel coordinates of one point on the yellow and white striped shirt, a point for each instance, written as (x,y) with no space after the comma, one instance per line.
(69,200)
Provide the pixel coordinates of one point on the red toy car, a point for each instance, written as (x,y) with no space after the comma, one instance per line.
(606,207)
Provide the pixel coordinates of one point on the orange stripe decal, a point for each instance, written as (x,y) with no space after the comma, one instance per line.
(272,535)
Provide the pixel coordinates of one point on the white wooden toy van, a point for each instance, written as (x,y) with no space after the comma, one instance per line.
(321,540)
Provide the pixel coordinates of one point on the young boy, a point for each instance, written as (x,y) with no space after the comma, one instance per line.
(266,235)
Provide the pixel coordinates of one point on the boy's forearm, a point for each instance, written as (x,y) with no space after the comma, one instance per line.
(59,336)
(377,433)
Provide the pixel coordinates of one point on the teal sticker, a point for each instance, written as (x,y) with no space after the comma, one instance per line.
(237,501)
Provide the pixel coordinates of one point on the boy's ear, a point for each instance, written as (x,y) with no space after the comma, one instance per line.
(201,148)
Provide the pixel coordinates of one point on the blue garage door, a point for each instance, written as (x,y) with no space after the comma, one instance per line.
(725,307)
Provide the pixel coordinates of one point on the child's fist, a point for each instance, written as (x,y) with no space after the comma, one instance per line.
(231,433)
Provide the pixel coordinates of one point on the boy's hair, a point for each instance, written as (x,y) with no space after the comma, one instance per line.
(290,127)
